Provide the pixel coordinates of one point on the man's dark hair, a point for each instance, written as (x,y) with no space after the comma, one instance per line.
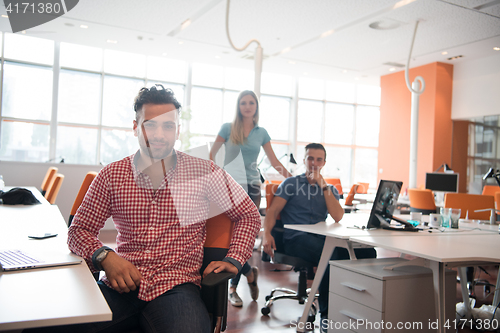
(157,94)
(316,146)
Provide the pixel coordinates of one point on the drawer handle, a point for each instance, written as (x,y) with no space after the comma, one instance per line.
(347,314)
(345,284)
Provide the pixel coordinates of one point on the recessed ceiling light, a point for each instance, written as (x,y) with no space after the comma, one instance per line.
(83,26)
(327,33)
(455,57)
(285,50)
(111,41)
(181,42)
(444,53)
(344,71)
(392,69)
(496,48)
(292,62)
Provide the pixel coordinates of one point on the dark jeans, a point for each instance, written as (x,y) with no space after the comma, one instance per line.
(178,310)
(253,192)
(309,247)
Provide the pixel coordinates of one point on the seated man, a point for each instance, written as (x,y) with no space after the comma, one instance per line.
(307,199)
(159,199)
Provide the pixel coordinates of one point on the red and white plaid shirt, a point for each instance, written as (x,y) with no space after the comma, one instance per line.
(162,233)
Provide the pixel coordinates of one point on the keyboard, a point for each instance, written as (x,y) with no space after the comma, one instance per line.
(17,257)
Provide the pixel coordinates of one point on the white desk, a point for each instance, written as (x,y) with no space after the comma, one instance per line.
(450,250)
(44,296)
(344,233)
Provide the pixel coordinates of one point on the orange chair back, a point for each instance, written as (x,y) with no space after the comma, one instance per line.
(470,203)
(47,180)
(89,177)
(350,196)
(219,229)
(422,199)
(270,191)
(54,187)
(336,183)
(277,182)
(490,189)
(362,188)
(497,200)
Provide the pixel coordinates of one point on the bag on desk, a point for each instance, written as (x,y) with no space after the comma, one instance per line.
(18,196)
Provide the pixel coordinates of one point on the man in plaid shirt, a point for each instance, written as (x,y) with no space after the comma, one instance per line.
(159,199)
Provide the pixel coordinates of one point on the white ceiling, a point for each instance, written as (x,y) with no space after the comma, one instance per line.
(351,51)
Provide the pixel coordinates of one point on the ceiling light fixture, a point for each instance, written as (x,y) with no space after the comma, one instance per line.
(392,69)
(455,57)
(185,24)
(292,62)
(385,24)
(327,33)
(181,42)
(444,53)
(496,48)
(83,26)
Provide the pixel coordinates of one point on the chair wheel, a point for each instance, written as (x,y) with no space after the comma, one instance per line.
(265,311)
(268,297)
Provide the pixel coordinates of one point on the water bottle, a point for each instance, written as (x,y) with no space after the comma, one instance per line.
(2,184)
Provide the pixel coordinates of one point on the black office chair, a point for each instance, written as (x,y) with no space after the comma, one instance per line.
(304,268)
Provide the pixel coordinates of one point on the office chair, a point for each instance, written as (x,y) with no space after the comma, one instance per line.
(422,201)
(362,188)
(54,187)
(298,264)
(214,291)
(337,184)
(47,180)
(89,177)
(350,198)
(469,204)
(490,189)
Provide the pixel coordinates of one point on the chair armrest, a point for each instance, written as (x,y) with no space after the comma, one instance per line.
(214,279)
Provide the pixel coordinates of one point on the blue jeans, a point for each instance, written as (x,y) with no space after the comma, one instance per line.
(180,309)
(309,247)
(253,192)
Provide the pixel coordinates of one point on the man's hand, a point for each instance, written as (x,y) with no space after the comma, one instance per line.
(269,244)
(316,178)
(220,266)
(121,273)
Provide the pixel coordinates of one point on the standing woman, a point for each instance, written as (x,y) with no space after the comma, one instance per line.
(245,136)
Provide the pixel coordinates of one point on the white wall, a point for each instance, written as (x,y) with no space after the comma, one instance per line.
(476,88)
(32,174)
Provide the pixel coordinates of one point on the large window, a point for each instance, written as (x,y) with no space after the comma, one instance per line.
(74,103)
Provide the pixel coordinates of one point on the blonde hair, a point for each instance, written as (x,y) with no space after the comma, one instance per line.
(237,135)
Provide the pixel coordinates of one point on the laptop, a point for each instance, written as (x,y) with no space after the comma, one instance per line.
(12,260)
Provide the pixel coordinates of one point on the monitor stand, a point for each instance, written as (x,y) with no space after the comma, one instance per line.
(386,225)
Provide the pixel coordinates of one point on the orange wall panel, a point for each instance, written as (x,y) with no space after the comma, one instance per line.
(434,125)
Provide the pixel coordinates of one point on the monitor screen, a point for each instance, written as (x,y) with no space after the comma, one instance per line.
(385,202)
(441,181)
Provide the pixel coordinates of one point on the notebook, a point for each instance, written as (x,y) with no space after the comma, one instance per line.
(11,260)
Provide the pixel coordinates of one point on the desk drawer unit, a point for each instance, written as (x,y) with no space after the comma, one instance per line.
(366,298)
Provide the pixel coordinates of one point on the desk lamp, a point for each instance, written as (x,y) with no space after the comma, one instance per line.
(445,167)
(492,174)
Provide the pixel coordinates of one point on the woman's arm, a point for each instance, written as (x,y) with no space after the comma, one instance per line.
(268,149)
(219,141)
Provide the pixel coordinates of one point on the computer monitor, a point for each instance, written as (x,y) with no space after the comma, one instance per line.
(441,181)
(384,205)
